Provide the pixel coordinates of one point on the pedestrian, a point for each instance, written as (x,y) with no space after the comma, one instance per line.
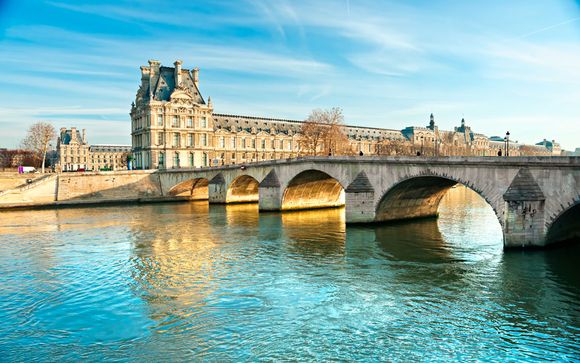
(499,152)
(360,153)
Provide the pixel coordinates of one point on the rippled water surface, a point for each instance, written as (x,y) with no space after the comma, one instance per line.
(190,282)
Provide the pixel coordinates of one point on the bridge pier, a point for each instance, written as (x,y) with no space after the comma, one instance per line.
(270,193)
(217,190)
(524,218)
(359,200)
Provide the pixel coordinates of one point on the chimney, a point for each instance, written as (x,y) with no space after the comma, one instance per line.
(144,76)
(177,74)
(73,133)
(195,75)
(153,71)
(84,136)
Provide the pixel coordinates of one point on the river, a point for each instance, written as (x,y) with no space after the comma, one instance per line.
(188,281)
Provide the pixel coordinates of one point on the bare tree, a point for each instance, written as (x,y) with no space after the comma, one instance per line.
(323,132)
(38,137)
(311,136)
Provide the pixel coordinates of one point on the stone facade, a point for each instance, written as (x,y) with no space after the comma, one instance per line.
(173,126)
(536,199)
(73,150)
(75,154)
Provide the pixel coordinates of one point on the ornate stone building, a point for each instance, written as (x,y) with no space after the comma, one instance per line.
(173,126)
(75,154)
(72,149)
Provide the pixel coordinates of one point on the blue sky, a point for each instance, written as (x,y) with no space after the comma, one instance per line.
(503,65)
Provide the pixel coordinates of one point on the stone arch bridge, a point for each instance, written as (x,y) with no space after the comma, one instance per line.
(536,199)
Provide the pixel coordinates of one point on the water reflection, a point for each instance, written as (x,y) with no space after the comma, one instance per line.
(226,283)
(316,233)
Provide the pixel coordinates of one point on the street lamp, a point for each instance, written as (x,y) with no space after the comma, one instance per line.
(507,143)
(421,145)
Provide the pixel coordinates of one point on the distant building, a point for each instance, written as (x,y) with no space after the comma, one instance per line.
(552,146)
(572,153)
(72,149)
(74,153)
(109,157)
(173,126)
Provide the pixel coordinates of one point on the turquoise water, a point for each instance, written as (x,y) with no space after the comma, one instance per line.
(192,282)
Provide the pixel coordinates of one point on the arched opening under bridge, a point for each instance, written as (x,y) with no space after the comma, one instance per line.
(416,197)
(566,227)
(243,189)
(313,189)
(194,189)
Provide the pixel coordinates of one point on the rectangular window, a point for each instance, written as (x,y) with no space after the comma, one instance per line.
(273,145)
(161,159)
(160,138)
(176,139)
(191,160)
(253,143)
(203,122)
(290,145)
(159,120)
(243,143)
(203,139)
(189,139)
(175,121)
(189,122)
(222,142)
(263,144)
(234,142)
(281,144)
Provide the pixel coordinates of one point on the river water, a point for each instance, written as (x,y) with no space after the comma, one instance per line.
(192,282)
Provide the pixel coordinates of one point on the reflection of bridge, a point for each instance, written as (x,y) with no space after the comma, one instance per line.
(536,199)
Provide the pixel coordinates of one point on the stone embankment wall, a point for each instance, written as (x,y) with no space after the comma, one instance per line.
(86,188)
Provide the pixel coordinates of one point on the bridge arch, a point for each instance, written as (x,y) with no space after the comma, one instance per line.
(243,189)
(194,189)
(311,189)
(566,225)
(419,196)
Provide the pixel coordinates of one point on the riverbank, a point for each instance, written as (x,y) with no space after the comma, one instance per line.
(78,189)
(11,179)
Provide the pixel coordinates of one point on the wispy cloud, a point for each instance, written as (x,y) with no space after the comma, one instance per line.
(387,64)
(549,27)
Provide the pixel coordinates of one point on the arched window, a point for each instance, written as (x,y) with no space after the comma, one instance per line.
(204,159)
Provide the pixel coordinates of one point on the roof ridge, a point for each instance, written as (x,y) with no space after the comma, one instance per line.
(296,121)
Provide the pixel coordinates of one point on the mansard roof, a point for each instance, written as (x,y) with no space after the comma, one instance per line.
(110,148)
(263,124)
(66,136)
(162,84)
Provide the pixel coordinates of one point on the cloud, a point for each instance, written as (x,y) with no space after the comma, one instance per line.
(551,62)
